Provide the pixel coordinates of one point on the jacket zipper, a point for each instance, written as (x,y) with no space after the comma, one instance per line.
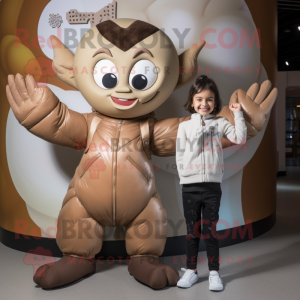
(89,164)
(138,167)
(115,148)
(203,124)
(211,141)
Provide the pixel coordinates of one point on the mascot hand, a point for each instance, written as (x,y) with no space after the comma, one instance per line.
(29,102)
(256,104)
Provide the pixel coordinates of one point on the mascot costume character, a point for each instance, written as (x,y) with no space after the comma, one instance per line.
(125,69)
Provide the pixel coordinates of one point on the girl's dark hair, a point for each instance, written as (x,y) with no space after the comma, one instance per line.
(202,83)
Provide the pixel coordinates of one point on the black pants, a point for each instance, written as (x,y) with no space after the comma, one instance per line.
(209,203)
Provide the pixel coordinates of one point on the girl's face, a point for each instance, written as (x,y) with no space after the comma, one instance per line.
(204,102)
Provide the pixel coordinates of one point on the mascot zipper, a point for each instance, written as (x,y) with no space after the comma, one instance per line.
(114,162)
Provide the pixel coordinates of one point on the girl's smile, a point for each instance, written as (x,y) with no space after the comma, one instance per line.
(204,102)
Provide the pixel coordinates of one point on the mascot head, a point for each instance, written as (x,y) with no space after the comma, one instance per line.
(125,68)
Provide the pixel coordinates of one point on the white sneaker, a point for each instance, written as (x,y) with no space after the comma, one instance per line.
(215,281)
(188,279)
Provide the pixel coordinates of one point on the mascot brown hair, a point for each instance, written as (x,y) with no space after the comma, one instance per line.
(125,69)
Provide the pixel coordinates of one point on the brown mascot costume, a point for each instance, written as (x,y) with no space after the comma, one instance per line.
(125,69)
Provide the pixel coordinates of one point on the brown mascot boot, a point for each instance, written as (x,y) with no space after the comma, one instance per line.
(150,271)
(64,271)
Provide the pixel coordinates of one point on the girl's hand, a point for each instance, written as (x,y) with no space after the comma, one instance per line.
(234,107)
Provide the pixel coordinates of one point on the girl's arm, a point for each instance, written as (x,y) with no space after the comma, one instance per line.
(180,147)
(236,134)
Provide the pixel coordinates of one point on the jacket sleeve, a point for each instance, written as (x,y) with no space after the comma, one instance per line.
(163,142)
(180,147)
(55,123)
(236,134)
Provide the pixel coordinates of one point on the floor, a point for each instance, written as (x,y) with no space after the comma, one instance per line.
(267,267)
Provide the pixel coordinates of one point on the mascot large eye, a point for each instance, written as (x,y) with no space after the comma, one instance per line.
(143,75)
(106,74)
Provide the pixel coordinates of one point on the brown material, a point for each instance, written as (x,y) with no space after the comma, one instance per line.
(63,62)
(64,271)
(43,114)
(13,15)
(29,18)
(150,271)
(95,197)
(146,234)
(256,104)
(188,65)
(145,135)
(108,12)
(260,172)
(93,128)
(126,38)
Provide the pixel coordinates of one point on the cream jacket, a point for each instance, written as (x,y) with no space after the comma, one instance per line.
(199,154)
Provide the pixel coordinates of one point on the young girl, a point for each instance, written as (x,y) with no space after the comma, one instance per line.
(200,166)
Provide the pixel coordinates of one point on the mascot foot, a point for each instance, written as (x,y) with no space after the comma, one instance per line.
(64,271)
(150,271)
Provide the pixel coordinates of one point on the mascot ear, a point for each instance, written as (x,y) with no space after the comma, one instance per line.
(188,64)
(63,62)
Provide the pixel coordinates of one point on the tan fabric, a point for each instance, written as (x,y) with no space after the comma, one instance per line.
(256,104)
(93,197)
(64,271)
(114,183)
(150,271)
(149,230)
(78,234)
(63,62)
(188,66)
(145,135)
(163,142)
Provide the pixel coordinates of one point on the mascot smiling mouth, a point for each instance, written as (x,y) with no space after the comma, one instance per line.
(128,102)
(122,101)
